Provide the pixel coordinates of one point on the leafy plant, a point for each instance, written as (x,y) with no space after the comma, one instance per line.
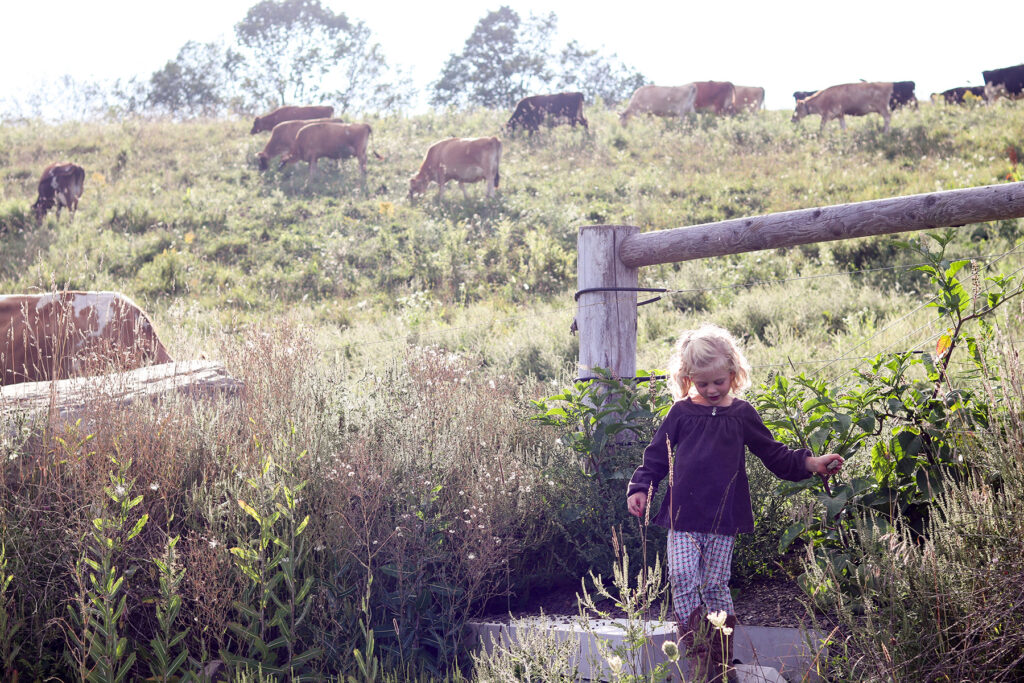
(629,659)
(10,622)
(596,414)
(108,658)
(167,649)
(908,407)
(277,602)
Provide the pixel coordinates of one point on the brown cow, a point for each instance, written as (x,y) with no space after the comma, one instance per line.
(854,99)
(661,100)
(281,139)
(290,113)
(465,160)
(717,97)
(331,140)
(749,98)
(60,184)
(65,334)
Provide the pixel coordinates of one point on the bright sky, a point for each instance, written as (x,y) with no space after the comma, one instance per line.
(783,46)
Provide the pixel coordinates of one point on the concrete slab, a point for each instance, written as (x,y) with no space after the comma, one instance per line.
(769,654)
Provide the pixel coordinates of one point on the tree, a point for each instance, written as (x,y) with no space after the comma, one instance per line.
(503,60)
(196,83)
(596,76)
(296,45)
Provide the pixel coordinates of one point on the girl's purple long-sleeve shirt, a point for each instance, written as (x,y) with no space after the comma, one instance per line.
(710,492)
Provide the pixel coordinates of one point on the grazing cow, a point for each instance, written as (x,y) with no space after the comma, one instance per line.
(65,334)
(803,94)
(331,140)
(1007,82)
(749,98)
(661,100)
(60,184)
(268,121)
(853,99)
(465,160)
(531,111)
(281,139)
(717,97)
(902,94)
(956,95)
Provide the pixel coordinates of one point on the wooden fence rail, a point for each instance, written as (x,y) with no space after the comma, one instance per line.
(609,256)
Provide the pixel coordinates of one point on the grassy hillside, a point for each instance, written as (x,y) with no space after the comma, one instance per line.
(176,215)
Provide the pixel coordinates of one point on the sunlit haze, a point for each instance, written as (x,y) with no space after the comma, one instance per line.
(781,46)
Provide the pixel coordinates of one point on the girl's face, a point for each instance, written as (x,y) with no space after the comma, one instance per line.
(714,387)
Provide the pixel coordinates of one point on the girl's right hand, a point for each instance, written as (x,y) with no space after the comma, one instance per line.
(636,503)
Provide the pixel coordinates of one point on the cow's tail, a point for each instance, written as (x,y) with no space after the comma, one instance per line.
(497,166)
(373,151)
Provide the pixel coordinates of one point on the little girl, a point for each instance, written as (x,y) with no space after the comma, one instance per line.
(708,501)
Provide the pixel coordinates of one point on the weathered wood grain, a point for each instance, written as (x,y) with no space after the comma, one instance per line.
(844,221)
(606,320)
(68,399)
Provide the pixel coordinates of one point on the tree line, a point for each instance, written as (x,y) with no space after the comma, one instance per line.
(299,52)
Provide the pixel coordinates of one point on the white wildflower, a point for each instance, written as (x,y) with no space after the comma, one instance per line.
(615,664)
(717,619)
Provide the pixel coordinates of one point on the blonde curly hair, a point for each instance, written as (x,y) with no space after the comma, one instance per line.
(706,349)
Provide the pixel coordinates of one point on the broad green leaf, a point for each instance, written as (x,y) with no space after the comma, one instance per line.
(790,535)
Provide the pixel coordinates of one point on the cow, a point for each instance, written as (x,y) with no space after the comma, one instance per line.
(281,139)
(1007,82)
(66,334)
(60,184)
(749,98)
(717,97)
(331,140)
(531,111)
(661,100)
(465,160)
(957,95)
(853,99)
(289,113)
(902,94)
(803,94)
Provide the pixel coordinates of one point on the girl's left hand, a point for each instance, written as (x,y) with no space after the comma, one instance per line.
(825,465)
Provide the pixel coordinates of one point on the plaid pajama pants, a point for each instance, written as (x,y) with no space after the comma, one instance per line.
(698,571)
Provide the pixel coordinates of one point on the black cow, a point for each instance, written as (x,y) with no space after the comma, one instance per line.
(902,94)
(1006,82)
(956,95)
(532,111)
(803,94)
(60,184)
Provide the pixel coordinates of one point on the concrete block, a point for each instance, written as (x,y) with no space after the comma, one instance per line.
(769,654)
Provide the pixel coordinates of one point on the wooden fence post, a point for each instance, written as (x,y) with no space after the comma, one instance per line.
(606,320)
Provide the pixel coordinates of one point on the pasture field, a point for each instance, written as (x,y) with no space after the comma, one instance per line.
(382,480)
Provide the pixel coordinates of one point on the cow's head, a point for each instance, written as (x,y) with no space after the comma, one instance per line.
(801,111)
(418,184)
(255,126)
(42,205)
(262,161)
